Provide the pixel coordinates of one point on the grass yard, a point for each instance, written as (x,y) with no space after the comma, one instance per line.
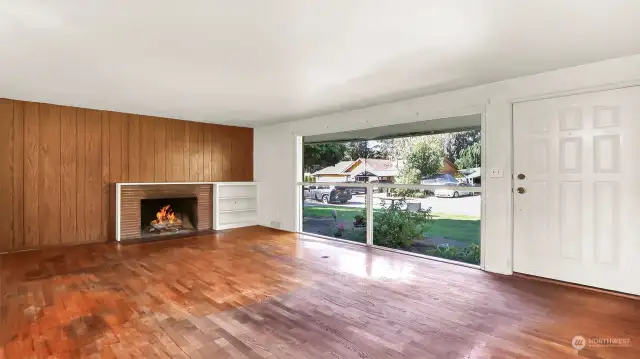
(458,227)
(346,213)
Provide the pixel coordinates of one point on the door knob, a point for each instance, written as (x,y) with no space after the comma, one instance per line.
(521,190)
(521,176)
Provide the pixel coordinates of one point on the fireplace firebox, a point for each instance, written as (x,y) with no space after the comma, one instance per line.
(168,216)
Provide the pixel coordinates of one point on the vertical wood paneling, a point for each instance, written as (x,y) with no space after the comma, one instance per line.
(225,142)
(194,143)
(216,154)
(93,191)
(199,152)
(206,153)
(81,177)
(124,139)
(58,167)
(185,150)
(6,166)
(49,175)
(168,144)
(115,166)
(68,176)
(134,148)
(237,148)
(18,174)
(159,154)
(31,151)
(147,149)
(247,160)
(115,147)
(104,208)
(178,150)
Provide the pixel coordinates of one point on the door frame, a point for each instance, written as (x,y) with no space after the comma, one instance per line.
(514,101)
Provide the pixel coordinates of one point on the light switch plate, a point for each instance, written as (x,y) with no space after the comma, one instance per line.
(496,173)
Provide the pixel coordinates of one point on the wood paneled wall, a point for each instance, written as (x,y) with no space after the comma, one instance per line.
(58,165)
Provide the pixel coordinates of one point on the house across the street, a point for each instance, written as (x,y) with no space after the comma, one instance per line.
(360,170)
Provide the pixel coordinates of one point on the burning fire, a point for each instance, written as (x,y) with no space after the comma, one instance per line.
(167,217)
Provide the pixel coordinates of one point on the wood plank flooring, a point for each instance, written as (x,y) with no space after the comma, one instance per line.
(257,293)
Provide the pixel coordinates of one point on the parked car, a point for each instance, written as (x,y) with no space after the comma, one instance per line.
(357,190)
(331,194)
(465,190)
(440,178)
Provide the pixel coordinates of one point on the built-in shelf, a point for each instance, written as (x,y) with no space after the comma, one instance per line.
(234,205)
(238,210)
(239,197)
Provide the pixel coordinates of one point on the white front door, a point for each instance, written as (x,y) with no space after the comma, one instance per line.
(578,219)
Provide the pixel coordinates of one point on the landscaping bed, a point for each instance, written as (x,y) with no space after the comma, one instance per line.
(450,236)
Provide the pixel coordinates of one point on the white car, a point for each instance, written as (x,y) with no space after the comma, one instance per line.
(463,191)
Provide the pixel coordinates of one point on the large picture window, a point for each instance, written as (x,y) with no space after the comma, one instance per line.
(414,193)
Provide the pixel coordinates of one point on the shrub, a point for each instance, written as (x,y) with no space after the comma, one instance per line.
(469,254)
(405,192)
(394,227)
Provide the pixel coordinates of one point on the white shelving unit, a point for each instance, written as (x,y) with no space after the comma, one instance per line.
(235,204)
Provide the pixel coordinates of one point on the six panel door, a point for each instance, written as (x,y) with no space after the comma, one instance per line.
(576,219)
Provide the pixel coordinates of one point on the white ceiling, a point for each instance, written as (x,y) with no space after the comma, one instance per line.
(251,62)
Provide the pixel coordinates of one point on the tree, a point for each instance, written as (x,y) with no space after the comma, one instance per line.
(399,148)
(320,155)
(427,155)
(455,142)
(470,157)
(409,175)
(366,149)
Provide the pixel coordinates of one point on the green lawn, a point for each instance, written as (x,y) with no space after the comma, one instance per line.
(458,227)
(325,211)
(451,226)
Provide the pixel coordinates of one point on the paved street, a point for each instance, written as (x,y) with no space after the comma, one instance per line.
(469,205)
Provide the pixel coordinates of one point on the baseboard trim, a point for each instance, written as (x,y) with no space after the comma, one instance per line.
(577,286)
(279,230)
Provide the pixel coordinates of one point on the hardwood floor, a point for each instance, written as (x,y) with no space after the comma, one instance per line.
(257,293)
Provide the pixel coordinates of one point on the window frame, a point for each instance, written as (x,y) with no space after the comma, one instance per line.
(300,184)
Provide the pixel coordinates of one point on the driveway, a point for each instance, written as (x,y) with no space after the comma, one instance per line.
(468,205)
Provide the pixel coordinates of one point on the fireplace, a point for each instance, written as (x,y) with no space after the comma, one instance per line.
(139,204)
(168,216)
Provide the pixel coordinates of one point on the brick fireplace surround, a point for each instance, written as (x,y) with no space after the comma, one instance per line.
(129,195)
